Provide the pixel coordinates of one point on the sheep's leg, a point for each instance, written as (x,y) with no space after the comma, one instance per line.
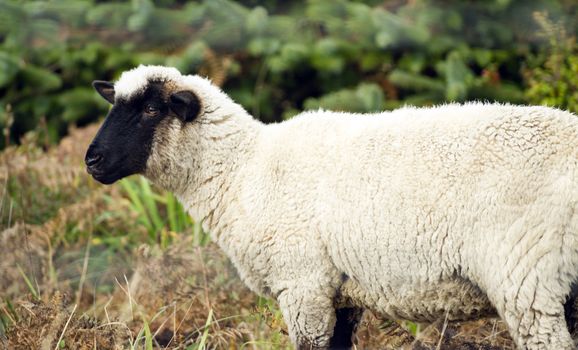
(571,312)
(533,309)
(310,317)
(345,327)
(543,331)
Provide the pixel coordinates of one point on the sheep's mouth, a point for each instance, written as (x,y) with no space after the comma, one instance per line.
(104,177)
(110,173)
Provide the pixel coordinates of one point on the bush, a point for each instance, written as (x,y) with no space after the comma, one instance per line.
(276,57)
(553,78)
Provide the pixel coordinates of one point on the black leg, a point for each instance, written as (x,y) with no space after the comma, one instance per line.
(345,328)
(571,311)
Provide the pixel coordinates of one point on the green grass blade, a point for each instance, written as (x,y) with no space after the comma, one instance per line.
(3,326)
(184,218)
(10,308)
(151,205)
(148,336)
(29,283)
(172,208)
(206,331)
(136,203)
(134,346)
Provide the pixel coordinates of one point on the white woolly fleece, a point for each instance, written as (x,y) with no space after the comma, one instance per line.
(455,211)
(136,80)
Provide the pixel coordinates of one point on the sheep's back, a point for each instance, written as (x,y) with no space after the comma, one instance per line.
(417,197)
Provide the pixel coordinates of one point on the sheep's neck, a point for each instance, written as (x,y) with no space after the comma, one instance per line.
(222,150)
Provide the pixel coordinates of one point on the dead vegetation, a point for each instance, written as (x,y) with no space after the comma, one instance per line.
(79,272)
(49,325)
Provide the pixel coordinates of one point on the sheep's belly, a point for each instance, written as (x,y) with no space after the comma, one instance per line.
(456,299)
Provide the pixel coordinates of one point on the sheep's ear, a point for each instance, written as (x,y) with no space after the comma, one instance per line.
(186,105)
(105,89)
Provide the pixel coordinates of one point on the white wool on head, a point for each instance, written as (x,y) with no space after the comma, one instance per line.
(136,80)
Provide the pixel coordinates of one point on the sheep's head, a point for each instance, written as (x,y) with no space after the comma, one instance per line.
(146,102)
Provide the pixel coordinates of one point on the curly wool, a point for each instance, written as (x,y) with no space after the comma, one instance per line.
(455,211)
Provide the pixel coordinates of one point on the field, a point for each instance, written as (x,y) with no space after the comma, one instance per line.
(87,266)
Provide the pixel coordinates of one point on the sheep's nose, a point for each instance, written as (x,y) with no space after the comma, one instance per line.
(93,157)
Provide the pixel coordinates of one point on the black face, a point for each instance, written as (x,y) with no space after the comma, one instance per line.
(123,144)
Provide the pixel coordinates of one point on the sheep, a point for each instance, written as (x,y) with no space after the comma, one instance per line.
(451,212)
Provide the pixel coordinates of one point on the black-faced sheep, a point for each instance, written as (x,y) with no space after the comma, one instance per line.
(454,211)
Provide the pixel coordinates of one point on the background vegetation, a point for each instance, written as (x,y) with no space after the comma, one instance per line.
(85,266)
(280,57)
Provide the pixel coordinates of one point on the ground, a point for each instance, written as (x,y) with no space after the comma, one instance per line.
(86,266)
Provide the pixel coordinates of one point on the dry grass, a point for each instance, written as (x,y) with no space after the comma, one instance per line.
(76,274)
(52,325)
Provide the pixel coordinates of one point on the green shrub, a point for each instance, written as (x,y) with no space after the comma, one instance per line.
(278,57)
(553,80)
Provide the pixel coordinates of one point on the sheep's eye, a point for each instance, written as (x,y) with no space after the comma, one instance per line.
(152,110)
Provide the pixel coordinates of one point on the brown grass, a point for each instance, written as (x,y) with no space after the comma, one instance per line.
(45,325)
